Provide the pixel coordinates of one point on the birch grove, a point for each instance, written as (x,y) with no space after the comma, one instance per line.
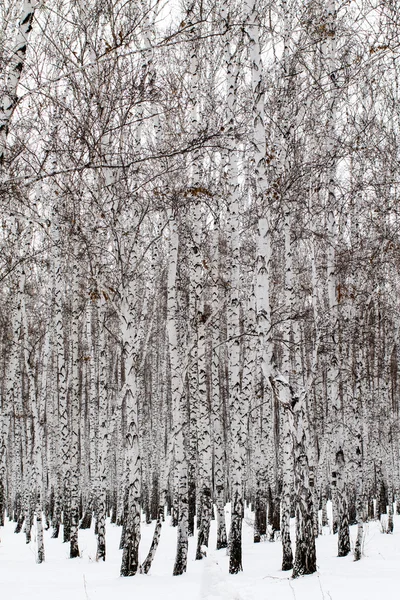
(200,273)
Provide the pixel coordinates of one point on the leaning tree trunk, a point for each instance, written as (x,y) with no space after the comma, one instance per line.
(146,565)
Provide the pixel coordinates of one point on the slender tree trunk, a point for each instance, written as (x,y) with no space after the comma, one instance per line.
(9,100)
(205,455)
(130,558)
(178,407)
(305,556)
(75,404)
(219,470)
(103,441)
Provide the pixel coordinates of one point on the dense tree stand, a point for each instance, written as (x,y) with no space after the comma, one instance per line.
(200,281)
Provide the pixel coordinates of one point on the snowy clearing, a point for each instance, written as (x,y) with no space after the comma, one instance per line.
(62,578)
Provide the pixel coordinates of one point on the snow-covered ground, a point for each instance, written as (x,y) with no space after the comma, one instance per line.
(376,576)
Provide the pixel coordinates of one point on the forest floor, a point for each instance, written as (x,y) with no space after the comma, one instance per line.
(60,578)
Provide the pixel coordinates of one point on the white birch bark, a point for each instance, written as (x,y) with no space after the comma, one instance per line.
(287,418)
(11,386)
(333,375)
(197,472)
(264,346)
(103,442)
(305,556)
(34,448)
(90,364)
(15,68)
(359,456)
(205,455)
(216,406)
(233,313)
(130,556)
(14,401)
(63,442)
(75,410)
(178,404)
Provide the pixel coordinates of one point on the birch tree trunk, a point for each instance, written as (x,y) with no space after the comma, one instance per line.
(233,313)
(178,404)
(130,556)
(333,376)
(103,441)
(287,416)
(305,556)
(15,68)
(75,410)
(36,458)
(63,445)
(205,455)
(10,402)
(359,418)
(219,470)
(14,401)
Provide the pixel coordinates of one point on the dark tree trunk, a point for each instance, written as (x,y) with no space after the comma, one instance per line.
(343,511)
(257,516)
(235,538)
(205,520)
(371,509)
(352,509)
(155,497)
(276,516)
(222,540)
(74,547)
(383,499)
(114,504)
(56,529)
(192,504)
(287,553)
(20,522)
(67,516)
(1,504)
(343,533)
(86,522)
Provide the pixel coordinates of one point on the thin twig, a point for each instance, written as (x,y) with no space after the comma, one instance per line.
(84,585)
(292,588)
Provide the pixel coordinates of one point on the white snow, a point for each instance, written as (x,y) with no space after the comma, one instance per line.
(60,578)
